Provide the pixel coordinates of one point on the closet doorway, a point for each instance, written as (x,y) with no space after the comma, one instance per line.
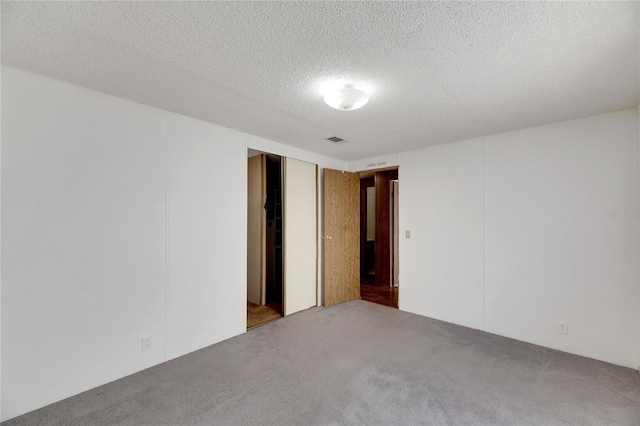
(379,239)
(264,239)
(281,237)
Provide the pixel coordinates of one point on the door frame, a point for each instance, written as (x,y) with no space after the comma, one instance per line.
(383,181)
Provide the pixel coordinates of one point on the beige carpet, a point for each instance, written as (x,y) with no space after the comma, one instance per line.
(257,314)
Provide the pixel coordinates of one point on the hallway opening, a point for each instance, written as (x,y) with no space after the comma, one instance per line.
(379,251)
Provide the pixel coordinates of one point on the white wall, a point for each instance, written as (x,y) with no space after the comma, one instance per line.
(207,268)
(551,252)
(442,262)
(119,221)
(509,235)
(83,239)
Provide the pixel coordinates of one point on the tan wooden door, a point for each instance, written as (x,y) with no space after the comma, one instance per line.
(341,236)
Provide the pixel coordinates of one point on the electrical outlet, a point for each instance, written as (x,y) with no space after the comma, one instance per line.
(407,234)
(146,343)
(563,328)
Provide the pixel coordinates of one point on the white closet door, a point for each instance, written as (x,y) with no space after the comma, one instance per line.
(300,232)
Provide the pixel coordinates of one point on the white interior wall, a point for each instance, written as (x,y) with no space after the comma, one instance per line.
(552,254)
(119,221)
(441,205)
(83,237)
(509,235)
(207,234)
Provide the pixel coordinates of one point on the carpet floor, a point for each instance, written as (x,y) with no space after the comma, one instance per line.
(361,363)
(259,314)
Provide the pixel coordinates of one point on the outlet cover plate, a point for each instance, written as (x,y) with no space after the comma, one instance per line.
(563,328)
(146,343)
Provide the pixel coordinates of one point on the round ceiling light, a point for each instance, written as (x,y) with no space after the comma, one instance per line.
(346,98)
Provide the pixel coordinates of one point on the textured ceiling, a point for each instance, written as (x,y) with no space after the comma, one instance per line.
(437,71)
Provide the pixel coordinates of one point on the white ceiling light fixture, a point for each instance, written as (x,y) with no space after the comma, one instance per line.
(346,98)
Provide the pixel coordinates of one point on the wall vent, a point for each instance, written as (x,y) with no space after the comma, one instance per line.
(336,139)
(378,164)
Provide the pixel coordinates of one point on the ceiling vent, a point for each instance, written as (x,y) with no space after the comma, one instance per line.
(336,139)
